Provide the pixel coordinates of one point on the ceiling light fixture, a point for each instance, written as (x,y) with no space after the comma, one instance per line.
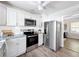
(40,7)
(42,4)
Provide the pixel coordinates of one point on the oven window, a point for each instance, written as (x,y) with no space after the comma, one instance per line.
(32,40)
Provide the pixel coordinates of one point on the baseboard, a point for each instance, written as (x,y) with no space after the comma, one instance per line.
(72,38)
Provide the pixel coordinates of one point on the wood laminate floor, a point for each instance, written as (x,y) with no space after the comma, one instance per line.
(45,52)
(72,44)
(71,49)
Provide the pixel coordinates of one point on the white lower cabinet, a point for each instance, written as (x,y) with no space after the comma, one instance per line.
(1,52)
(40,39)
(11,48)
(15,47)
(21,45)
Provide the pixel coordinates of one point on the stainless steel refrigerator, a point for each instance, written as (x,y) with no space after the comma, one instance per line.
(52,35)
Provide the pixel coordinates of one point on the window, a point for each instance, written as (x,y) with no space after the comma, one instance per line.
(74,26)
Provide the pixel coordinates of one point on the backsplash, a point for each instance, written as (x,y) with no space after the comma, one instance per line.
(15,30)
(19,30)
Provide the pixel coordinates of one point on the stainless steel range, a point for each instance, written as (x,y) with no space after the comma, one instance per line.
(32,40)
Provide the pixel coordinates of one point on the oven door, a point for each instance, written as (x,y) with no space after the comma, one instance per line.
(31,40)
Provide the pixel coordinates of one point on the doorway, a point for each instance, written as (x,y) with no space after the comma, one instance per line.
(71,38)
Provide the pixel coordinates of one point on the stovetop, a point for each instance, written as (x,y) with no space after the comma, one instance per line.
(29,33)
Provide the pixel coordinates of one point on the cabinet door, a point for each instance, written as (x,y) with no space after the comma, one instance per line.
(1,52)
(40,40)
(21,45)
(11,48)
(11,17)
(3,14)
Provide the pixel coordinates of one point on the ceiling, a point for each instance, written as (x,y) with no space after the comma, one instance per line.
(52,6)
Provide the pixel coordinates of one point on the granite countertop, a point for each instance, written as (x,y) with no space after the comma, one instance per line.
(11,37)
(16,36)
(2,41)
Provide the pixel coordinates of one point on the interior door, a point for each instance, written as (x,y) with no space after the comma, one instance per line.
(58,35)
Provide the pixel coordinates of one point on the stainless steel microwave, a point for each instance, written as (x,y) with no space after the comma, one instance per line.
(30,22)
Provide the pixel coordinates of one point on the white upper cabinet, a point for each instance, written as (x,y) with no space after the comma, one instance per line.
(7,16)
(3,14)
(11,17)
